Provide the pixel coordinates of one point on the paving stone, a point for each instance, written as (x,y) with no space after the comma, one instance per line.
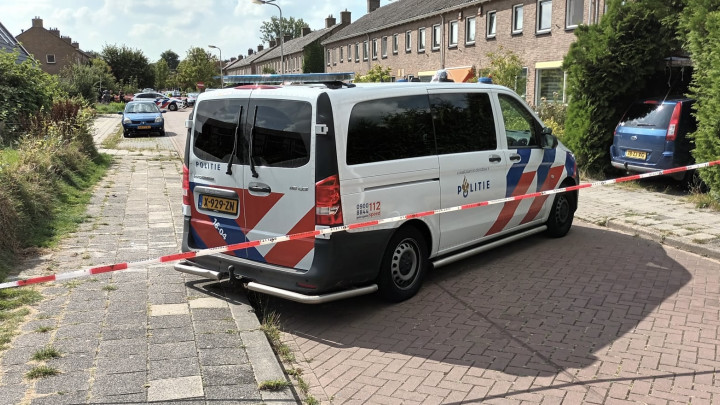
(62,398)
(218,340)
(121,332)
(170,321)
(175,388)
(64,382)
(162,369)
(233,394)
(117,365)
(223,356)
(12,394)
(122,348)
(159,336)
(169,309)
(209,302)
(119,384)
(228,375)
(136,398)
(31,340)
(73,362)
(176,350)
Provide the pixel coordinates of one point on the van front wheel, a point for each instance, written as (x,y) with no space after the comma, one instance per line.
(561,216)
(403,266)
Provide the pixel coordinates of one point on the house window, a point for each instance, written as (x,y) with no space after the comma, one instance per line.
(408,41)
(573,13)
(50,58)
(335,54)
(383,47)
(544,16)
(517,19)
(470,30)
(453,34)
(421,40)
(357,52)
(396,44)
(521,83)
(342,56)
(550,85)
(349,51)
(374,48)
(436,37)
(491,24)
(329,57)
(365,50)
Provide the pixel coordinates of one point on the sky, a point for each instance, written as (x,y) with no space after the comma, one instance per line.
(154,26)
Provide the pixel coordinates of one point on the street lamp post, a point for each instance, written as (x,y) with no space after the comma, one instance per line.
(282,33)
(222,82)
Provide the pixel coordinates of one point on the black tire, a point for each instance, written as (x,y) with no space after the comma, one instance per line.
(126,134)
(162,132)
(561,215)
(403,266)
(173,107)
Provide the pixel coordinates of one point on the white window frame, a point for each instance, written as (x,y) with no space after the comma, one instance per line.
(374,49)
(329,57)
(342,56)
(383,47)
(517,10)
(453,34)
(349,53)
(570,6)
(538,79)
(396,44)
(365,50)
(436,35)
(491,24)
(50,58)
(357,52)
(470,22)
(421,39)
(538,28)
(408,41)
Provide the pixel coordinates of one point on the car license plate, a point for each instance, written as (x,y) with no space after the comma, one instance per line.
(219,204)
(144,127)
(635,154)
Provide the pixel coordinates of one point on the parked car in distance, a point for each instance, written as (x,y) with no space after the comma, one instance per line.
(142,117)
(652,135)
(161,100)
(191,98)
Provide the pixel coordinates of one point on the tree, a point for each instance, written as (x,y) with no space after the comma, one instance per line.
(505,69)
(171,58)
(274,29)
(313,58)
(86,80)
(127,64)
(612,63)
(162,74)
(376,74)
(198,66)
(701,23)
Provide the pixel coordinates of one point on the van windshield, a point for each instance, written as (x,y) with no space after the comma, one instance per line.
(648,114)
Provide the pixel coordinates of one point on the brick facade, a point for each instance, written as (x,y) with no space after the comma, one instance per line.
(52,50)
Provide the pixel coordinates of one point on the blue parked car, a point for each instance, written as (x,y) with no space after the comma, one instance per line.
(652,135)
(142,117)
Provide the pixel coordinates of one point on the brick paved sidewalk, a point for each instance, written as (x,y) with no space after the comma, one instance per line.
(141,335)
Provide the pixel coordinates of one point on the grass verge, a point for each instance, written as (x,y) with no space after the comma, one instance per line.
(13,310)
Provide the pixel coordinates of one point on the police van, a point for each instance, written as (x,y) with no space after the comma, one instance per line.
(263,161)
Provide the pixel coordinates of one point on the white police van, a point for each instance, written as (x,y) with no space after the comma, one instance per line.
(271,160)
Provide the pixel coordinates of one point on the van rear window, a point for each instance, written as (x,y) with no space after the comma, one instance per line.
(215,124)
(389,129)
(648,114)
(281,137)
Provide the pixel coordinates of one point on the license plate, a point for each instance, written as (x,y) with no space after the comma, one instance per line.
(144,127)
(219,204)
(635,154)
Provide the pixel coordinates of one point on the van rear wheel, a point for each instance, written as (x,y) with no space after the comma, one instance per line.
(403,266)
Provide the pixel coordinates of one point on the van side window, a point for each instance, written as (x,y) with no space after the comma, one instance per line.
(521,129)
(215,123)
(463,122)
(282,132)
(390,128)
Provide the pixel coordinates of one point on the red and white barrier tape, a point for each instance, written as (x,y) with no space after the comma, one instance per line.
(310,234)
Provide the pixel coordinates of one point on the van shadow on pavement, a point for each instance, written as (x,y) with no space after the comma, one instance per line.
(538,307)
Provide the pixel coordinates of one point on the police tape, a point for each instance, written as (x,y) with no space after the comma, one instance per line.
(326,231)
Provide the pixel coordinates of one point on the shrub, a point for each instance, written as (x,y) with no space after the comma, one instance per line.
(376,74)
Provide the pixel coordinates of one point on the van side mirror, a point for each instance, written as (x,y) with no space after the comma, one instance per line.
(549,141)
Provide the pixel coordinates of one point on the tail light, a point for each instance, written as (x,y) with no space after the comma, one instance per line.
(328,210)
(186,186)
(674,121)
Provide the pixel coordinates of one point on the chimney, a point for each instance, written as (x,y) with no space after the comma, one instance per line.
(286,38)
(344,18)
(233,59)
(272,44)
(306,31)
(75,45)
(55,31)
(66,39)
(37,22)
(373,5)
(330,21)
(260,48)
(250,51)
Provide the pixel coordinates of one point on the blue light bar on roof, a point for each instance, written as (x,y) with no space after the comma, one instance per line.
(290,78)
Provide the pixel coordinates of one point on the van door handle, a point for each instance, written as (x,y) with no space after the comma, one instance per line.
(495,158)
(515,157)
(259,188)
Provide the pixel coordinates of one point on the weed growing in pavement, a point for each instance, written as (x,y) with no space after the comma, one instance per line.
(43,329)
(47,352)
(41,371)
(110,287)
(13,310)
(274,385)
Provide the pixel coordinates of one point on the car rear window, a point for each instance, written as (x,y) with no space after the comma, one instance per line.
(648,114)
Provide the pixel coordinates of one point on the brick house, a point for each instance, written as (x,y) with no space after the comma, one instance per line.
(244,65)
(294,49)
(417,37)
(52,50)
(8,43)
